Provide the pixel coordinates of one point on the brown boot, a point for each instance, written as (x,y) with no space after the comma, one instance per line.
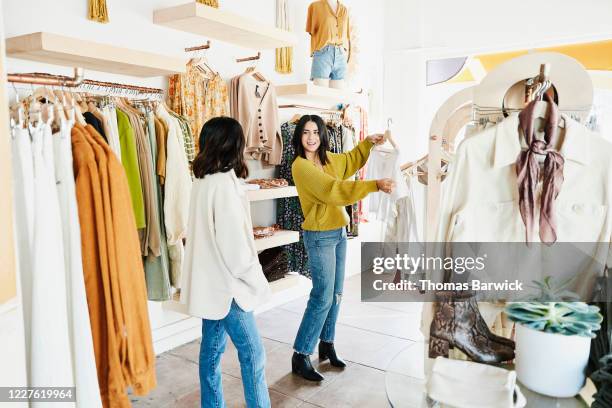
(455,324)
(484,328)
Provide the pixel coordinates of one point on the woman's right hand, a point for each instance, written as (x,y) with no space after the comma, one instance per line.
(385,185)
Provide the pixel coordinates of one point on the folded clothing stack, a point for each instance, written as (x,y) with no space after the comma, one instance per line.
(264,232)
(274,263)
(464,384)
(269,183)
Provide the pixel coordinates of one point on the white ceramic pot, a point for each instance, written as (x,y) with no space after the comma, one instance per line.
(551,364)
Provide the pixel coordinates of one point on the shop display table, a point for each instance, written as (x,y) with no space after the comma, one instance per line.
(406,387)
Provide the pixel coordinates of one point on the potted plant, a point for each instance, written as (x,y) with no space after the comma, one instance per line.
(553,341)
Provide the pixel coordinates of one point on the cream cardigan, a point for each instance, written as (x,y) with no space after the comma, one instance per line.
(221,261)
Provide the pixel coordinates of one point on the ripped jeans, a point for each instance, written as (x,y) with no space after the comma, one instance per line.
(326,258)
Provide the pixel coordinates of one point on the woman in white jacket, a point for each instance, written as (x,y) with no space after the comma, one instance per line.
(222,280)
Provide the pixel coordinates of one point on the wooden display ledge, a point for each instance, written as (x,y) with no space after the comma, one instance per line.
(73,52)
(221,25)
(310,93)
(279,238)
(272,193)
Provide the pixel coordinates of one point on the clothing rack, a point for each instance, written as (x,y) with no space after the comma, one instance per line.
(199,47)
(293,106)
(254,58)
(77,81)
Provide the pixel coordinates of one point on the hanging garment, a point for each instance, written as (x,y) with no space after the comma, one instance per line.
(255,107)
(289,212)
(384,164)
(187,97)
(481,203)
(150,236)
(94,121)
(81,343)
(176,194)
(110,116)
(50,354)
(216,101)
(157,268)
(113,271)
(161,136)
(188,140)
(284,56)
(129,160)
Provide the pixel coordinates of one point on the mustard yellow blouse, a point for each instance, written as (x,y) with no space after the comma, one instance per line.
(326,27)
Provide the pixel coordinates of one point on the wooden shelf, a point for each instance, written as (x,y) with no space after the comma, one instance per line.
(309,93)
(279,238)
(73,52)
(288,282)
(272,193)
(221,25)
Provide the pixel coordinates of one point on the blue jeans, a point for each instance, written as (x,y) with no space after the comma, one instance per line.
(241,328)
(326,257)
(330,62)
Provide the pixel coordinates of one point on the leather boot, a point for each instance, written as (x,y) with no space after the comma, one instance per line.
(301,365)
(455,325)
(484,328)
(327,350)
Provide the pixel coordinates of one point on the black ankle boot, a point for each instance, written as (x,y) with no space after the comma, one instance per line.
(301,365)
(327,350)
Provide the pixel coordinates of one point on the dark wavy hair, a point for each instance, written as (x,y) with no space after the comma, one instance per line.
(221,148)
(297,137)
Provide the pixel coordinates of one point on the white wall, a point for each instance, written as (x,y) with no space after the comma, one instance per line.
(483,23)
(131,25)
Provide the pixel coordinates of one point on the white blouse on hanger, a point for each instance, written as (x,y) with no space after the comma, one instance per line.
(50,361)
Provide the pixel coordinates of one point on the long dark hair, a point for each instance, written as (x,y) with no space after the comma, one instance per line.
(299,130)
(221,148)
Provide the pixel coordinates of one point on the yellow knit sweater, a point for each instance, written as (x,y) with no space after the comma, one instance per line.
(324,194)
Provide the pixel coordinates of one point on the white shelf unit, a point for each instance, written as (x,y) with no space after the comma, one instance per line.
(279,238)
(221,25)
(309,93)
(73,52)
(271,193)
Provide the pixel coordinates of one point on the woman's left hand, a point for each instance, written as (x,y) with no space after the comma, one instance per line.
(377,139)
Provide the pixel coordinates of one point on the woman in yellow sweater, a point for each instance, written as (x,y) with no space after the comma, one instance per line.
(321,178)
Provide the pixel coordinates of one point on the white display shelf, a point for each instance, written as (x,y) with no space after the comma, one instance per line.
(279,238)
(221,25)
(309,93)
(272,193)
(73,52)
(288,282)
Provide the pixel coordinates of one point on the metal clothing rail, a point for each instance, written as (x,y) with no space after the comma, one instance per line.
(76,81)
(37,78)
(292,106)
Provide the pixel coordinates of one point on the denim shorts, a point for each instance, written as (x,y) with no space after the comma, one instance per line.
(330,62)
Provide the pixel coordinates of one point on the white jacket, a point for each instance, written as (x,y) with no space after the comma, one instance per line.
(221,261)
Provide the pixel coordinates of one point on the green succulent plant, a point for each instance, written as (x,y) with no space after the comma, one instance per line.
(567,318)
(552,290)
